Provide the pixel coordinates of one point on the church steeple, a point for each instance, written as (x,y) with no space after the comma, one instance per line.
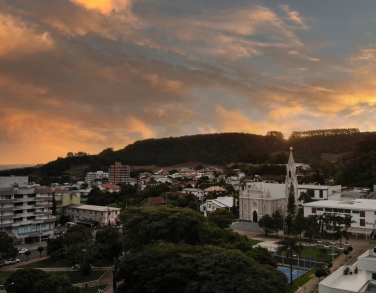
(291,178)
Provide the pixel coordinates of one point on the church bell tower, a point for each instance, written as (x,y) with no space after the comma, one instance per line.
(291,177)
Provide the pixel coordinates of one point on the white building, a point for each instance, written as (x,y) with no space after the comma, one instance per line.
(93,214)
(199,193)
(99,175)
(225,202)
(363,212)
(12,181)
(25,212)
(361,277)
(319,192)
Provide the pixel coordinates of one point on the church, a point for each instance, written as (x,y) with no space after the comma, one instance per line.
(261,198)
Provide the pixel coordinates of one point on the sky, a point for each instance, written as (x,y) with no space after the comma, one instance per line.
(86,75)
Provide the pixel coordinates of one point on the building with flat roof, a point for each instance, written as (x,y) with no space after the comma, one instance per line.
(12,181)
(119,173)
(91,213)
(360,277)
(25,213)
(363,212)
(99,175)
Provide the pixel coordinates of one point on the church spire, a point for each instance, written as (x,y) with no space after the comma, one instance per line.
(291,179)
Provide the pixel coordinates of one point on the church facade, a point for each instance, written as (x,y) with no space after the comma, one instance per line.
(261,198)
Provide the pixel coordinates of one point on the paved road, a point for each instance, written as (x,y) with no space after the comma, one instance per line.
(247,226)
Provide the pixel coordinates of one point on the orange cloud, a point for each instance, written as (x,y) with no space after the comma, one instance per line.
(104,6)
(16,37)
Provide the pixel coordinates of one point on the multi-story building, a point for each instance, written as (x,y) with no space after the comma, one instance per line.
(63,198)
(99,175)
(119,173)
(91,214)
(25,212)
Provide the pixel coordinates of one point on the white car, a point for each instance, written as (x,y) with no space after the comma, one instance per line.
(11,261)
(22,250)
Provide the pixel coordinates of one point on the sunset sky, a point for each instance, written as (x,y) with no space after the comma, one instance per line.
(85,75)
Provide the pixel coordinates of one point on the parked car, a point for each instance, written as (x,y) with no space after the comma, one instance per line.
(11,261)
(22,250)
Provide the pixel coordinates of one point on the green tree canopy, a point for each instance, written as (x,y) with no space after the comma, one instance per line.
(221,217)
(109,241)
(144,225)
(6,246)
(168,268)
(267,223)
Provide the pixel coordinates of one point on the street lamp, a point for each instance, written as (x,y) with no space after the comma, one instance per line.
(8,286)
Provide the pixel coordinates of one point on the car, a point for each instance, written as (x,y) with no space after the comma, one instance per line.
(22,250)
(76,267)
(11,261)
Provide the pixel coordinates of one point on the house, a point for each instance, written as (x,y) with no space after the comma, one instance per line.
(185,171)
(215,189)
(109,187)
(155,201)
(318,192)
(211,205)
(359,277)
(199,193)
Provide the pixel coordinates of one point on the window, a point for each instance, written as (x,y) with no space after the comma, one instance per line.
(313,210)
(328,210)
(335,210)
(321,193)
(320,209)
(355,212)
(311,192)
(362,222)
(362,214)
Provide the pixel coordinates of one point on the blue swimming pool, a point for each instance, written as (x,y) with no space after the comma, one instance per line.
(296,273)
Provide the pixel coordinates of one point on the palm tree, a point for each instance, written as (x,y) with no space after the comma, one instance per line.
(290,245)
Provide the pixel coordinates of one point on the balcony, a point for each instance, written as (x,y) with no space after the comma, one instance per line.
(6,200)
(43,205)
(9,217)
(45,213)
(7,209)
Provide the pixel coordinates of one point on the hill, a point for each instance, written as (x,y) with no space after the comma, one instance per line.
(214,149)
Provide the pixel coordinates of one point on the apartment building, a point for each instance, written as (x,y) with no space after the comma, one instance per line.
(119,174)
(25,212)
(92,214)
(99,175)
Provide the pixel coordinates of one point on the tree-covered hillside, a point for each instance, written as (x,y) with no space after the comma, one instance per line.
(214,149)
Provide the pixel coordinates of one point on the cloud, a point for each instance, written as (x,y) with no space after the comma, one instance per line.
(294,16)
(17,37)
(104,6)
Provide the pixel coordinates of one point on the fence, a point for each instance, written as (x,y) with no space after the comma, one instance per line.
(303,263)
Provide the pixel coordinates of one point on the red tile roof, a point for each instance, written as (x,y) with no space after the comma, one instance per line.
(110,186)
(156,200)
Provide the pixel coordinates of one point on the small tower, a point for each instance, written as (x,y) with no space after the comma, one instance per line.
(291,177)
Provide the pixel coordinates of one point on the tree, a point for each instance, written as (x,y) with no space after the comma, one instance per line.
(305,197)
(145,225)
(40,249)
(312,227)
(291,209)
(221,217)
(55,284)
(77,234)
(350,249)
(321,272)
(6,246)
(55,247)
(278,221)
(289,245)
(27,253)
(267,223)
(300,223)
(109,241)
(168,268)
(24,280)
(346,252)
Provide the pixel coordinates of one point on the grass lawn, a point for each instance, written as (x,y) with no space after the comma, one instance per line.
(93,289)
(47,263)
(4,276)
(299,282)
(310,250)
(76,277)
